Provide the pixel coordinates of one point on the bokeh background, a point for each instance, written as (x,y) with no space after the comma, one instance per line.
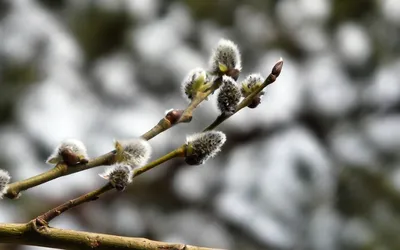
(315,167)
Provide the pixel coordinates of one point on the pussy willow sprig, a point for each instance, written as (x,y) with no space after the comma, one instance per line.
(129,157)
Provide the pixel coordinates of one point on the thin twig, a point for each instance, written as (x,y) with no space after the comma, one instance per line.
(59,170)
(179,152)
(275,72)
(198,98)
(45,218)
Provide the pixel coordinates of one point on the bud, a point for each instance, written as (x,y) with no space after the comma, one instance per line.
(249,85)
(229,96)
(134,152)
(226,59)
(195,81)
(70,151)
(4,180)
(119,175)
(173,115)
(276,70)
(202,146)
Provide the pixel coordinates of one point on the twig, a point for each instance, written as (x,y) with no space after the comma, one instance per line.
(179,152)
(45,218)
(30,234)
(59,170)
(199,97)
(275,72)
(162,125)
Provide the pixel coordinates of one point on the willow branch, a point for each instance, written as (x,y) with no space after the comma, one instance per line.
(61,169)
(31,234)
(45,218)
(164,124)
(276,70)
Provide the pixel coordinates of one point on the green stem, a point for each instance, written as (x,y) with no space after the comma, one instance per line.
(14,188)
(59,170)
(220,119)
(198,98)
(162,125)
(179,152)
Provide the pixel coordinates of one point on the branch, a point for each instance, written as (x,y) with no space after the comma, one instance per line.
(60,170)
(199,97)
(164,124)
(45,218)
(30,234)
(197,149)
(275,72)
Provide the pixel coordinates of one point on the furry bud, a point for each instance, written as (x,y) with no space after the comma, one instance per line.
(229,96)
(226,59)
(119,175)
(70,151)
(196,80)
(134,152)
(202,146)
(249,85)
(4,180)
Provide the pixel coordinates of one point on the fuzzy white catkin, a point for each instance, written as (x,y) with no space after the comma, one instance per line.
(74,145)
(119,175)
(204,146)
(135,152)
(229,96)
(226,53)
(4,180)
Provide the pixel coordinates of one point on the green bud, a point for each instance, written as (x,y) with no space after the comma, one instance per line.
(197,80)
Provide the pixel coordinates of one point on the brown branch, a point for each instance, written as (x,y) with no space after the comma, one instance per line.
(45,218)
(31,234)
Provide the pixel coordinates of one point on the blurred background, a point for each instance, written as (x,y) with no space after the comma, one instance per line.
(315,167)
